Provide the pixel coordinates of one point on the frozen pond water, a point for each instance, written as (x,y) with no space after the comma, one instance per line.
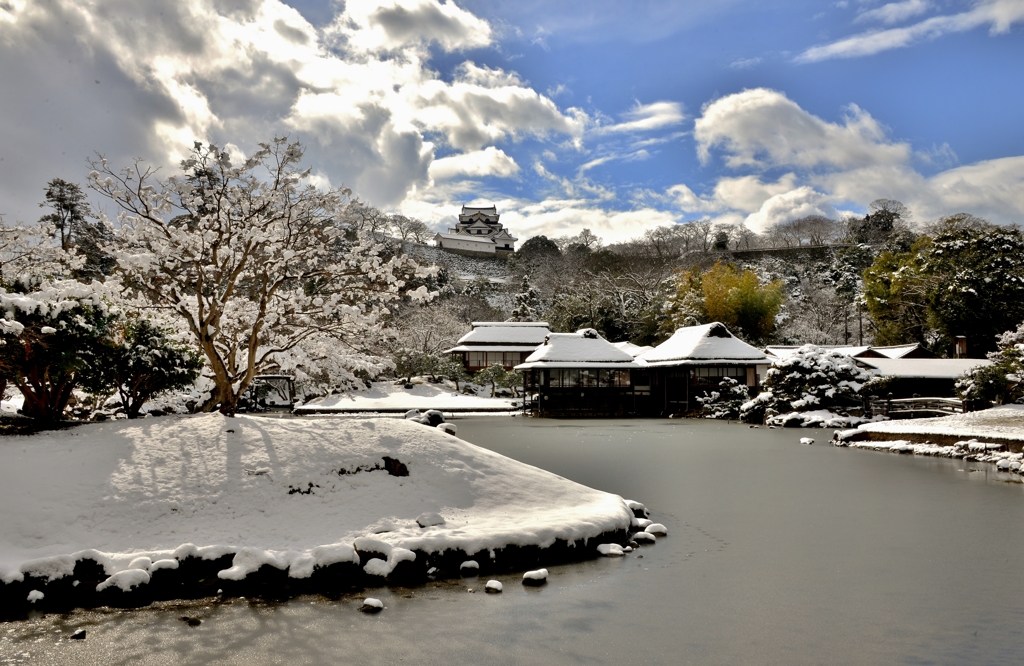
(777,553)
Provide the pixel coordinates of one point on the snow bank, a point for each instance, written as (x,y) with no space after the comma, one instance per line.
(819,418)
(137,496)
(1005,422)
(383,396)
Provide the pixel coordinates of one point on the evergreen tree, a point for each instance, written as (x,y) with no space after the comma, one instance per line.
(526,303)
(144,361)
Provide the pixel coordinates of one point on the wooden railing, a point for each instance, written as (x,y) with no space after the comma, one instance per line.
(909,408)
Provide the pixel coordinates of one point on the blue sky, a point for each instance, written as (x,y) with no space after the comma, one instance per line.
(607,115)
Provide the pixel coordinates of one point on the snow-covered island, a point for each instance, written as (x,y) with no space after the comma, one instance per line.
(993,435)
(125,512)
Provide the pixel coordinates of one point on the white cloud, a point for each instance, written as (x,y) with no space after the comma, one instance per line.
(488,162)
(894,12)
(380,25)
(745,63)
(359,94)
(646,117)
(999,15)
(831,166)
(796,203)
(763,128)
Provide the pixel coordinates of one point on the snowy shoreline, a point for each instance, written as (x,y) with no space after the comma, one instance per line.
(993,436)
(108,514)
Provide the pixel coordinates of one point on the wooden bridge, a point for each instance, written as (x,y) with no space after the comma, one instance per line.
(912,408)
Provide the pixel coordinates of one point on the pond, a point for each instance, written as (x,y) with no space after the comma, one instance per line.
(777,553)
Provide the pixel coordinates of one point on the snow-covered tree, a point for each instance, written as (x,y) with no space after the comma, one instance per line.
(143,361)
(811,378)
(252,258)
(724,403)
(30,251)
(53,335)
(527,304)
(1003,381)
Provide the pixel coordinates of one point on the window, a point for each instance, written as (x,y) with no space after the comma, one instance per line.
(495,357)
(588,377)
(475,360)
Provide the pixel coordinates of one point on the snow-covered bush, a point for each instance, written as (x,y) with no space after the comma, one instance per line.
(724,403)
(811,378)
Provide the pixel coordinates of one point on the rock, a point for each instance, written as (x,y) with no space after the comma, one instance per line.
(191,621)
(469,568)
(371,605)
(493,587)
(434,417)
(534,578)
(34,596)
(408,386)
(644,538)
(412,414)
(611,550)
(429,519)
(642,523)
(807,441)
(657,529)
(634,544)
(638,509)
(79,635)
(628,549)
(449,428)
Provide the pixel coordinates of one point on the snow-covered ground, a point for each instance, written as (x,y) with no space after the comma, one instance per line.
(292,493)
(1005,422)
(386,396)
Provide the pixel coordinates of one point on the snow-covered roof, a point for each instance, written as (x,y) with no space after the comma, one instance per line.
(709,343)
(631,349)
(856,351)
(491,348)
(897,351)
(922,368)
(785,351)
(582,349)
(506,333)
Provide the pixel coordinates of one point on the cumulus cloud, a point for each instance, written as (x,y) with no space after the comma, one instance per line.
(830,165)
(488,162)
(374,25)
(359,93)
(762,127)
(999,15)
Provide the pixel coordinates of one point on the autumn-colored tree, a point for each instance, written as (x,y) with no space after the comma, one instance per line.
(724,293)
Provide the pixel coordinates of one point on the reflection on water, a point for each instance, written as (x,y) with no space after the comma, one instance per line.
(777,553)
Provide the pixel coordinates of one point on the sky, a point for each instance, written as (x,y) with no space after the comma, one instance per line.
(607,115)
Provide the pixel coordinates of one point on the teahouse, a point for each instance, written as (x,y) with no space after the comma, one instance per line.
(582,374)
(694,361)
(505,342)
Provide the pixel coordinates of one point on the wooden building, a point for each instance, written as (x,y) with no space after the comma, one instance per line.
(920,377)
(504,342)
(583,375)
(694,361)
